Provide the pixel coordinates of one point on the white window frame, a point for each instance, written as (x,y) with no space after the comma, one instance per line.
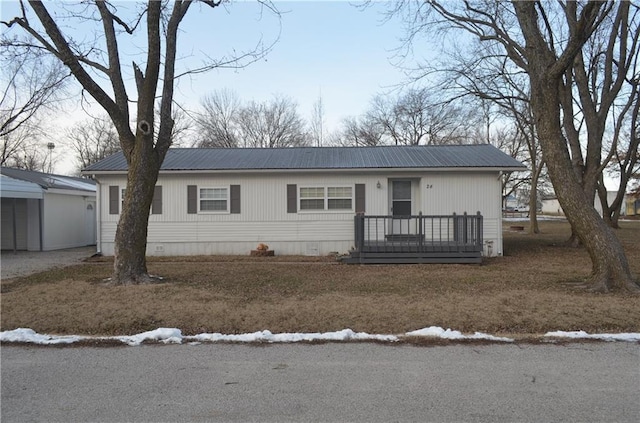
(227,200)
(350,197)
(301,198)
(325,198)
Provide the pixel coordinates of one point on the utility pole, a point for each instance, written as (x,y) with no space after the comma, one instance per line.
(50,146)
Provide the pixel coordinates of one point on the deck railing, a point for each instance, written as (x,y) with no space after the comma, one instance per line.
(418,234)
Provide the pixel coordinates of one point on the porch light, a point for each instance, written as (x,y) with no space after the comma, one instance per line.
(379,185)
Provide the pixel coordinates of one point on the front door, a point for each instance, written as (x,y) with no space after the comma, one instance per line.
(401,206)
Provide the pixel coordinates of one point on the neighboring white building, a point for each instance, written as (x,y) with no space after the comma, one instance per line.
(551,205)
(302,201)
(42,212)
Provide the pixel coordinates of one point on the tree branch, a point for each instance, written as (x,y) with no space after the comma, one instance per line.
(64,53)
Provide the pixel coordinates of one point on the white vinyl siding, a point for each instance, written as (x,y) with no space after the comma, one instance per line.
(264,217)
(214,199)
(64,221)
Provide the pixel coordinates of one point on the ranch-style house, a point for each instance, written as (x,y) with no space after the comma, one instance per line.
(377,204)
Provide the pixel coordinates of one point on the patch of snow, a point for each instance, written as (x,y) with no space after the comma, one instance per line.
(580,334)
(267,336)
(166,335)
(438,332)
(174,336)
(30,336)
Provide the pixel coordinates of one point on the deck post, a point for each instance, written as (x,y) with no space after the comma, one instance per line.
(359,231)
(420,232)
(479,231)
(465,227)
(456,230)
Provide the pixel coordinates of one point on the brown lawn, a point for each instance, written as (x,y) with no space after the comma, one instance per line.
(533,289)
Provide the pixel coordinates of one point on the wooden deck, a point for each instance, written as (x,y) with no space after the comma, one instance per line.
(417,239)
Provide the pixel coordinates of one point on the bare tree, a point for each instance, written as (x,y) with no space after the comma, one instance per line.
(146,144)
(592,86)
(92,140)
(510,140)
(34,155)
(225,122)
(95,138)
(547,53)
(273,124)
(415,117)
(317,122)
(32,84)
(217,124)
(359,132)
(546,67)
(592,83)
(485,73)
(625,160)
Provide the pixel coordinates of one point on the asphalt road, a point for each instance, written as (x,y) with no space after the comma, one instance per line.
(592,382)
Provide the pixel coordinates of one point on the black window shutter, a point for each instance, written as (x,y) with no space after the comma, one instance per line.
(114,199)
(292,198)
(234,197)
(360,198)
(156,205)
(192,199)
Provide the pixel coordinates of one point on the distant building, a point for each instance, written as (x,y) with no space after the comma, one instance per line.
(632,205)
(551,205)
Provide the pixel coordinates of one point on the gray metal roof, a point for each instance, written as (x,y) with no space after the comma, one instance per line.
(46,180)
(15,188)
(307,158)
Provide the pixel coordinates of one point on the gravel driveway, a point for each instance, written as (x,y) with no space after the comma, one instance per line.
(24,263)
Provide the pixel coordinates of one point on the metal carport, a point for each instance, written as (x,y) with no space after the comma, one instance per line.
(15,193)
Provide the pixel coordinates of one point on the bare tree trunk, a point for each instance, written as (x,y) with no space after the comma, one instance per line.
(130,264)
(536,170)
(615,218)
(607,211)
(610,266)
(574,239)
(533,210)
